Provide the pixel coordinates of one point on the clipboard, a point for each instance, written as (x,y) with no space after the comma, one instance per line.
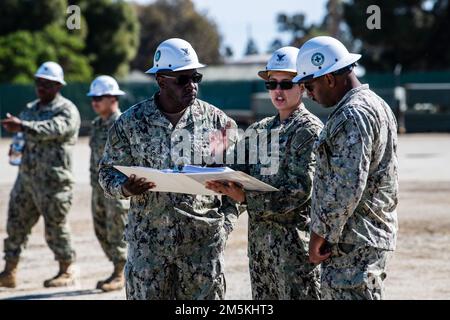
(192,179)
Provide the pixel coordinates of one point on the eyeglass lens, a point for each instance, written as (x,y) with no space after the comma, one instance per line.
(284,85)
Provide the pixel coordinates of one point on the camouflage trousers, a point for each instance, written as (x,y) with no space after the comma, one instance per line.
(279,266)
(354,273)
(110,216)
(197,275)
(271,281)
(28,201)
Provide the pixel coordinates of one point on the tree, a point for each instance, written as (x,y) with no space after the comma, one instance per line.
(22,52)
(30,15)
(108,38)
(57,44)
(275,45)
(333,19)
(113,35)
(32,32)
(296,25)
(251,47)
(166,19)
(413,33)
(17,57)
(228,52)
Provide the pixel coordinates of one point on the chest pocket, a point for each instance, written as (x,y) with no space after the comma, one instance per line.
(201,145)
(151,150)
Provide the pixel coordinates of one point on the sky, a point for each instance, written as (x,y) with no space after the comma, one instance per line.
(237,19)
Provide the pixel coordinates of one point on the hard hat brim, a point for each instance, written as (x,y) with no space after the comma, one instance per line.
(350,59)
(50,78)
(264,74)
(155,70)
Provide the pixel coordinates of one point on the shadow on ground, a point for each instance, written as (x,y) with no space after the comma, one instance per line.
(55,295)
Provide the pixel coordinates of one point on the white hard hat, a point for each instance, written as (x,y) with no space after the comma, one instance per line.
(283,59)
(104,86)
(175,55)
(51,71)
(322,55)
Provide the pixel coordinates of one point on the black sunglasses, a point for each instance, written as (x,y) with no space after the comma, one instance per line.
(99,98)
(309,86)
(45,84)
(184,79)
(284,85)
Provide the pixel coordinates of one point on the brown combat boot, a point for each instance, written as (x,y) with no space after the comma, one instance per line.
(116,281)
(64,278)
(8,276)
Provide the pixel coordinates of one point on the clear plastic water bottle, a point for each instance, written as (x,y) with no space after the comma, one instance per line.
(17,146)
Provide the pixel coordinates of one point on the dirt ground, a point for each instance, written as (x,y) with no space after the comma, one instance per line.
(419,268)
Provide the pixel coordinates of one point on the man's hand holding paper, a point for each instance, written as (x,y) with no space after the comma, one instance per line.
(135,186)
(228,188)
(192,180)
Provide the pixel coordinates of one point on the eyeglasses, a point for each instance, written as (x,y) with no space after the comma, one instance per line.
(309,86)
(284,85)
(45,84)
(100,98)
(97,99)
(184,79)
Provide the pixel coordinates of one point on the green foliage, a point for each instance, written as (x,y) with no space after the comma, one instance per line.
(413,33)
(16,49)
(32,32)
(113,35)
(58,45)
(166,19)
(30,15)
(22,52)
(35,31)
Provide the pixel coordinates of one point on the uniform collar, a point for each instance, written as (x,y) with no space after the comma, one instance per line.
(297,113)
(155,117)
(113,117)
(50,105)
(108,122)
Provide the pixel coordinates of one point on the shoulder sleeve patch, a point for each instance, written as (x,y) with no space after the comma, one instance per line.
(303,136)
(113,136)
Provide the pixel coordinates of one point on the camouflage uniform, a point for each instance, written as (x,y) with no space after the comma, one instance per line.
(355,195)
(278,234)
(175,241)
(44,183)
(109,214)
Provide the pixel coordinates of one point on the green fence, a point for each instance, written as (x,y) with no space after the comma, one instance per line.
(428,106)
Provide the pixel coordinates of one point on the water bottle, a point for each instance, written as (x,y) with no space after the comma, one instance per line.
(17,146)
(180,163)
